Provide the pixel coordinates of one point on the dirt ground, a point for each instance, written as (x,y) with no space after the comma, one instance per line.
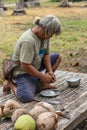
(75,64)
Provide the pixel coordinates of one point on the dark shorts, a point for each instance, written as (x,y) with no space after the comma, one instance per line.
(27,84)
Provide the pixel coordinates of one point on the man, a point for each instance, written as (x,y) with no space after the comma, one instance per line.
(32,51)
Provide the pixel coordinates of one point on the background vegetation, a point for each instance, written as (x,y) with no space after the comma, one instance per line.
(71,44)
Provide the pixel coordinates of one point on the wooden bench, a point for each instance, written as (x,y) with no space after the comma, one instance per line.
(73,102)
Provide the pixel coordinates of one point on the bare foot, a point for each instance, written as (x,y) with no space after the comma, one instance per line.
(6,88)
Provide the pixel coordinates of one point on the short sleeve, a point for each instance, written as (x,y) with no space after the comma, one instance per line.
(26,52)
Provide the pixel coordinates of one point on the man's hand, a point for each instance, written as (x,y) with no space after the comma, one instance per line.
(49,78)
(53,77)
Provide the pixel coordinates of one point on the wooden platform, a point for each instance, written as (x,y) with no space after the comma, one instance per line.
(73,102)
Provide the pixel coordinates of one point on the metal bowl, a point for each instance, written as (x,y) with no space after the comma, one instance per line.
(50,93)
(73,82)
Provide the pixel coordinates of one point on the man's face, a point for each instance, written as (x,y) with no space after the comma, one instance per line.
(43,35)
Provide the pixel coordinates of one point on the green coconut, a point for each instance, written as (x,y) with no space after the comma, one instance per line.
(25,122)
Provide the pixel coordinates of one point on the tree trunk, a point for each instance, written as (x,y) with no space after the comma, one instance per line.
(37,3)
(34,3)
(1,3)
(65,3)
(19,10)
(1,8)
(26,3)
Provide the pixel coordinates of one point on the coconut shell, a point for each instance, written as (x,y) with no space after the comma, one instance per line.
(46,105)
(10,106)
(18,113)
(1,111)
(36,111)
(47,121)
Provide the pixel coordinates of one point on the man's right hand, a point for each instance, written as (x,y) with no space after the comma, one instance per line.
(47,78)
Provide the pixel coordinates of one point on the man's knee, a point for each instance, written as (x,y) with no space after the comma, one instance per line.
(59,59)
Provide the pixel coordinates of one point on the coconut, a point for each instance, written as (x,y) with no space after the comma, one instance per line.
(1,111)
(47,121)
(40,108)
(46,105)
(36,111)
(10,106)
(25,122)
(18,113)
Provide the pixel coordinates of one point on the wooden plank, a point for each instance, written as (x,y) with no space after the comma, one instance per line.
(73,101)
(76,111)
(69,95)
(78,116)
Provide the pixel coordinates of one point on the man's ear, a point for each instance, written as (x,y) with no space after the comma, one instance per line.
(43,27)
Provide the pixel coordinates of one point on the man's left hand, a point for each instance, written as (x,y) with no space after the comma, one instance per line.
(53,76)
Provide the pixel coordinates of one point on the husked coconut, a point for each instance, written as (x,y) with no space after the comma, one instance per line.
(1,111)
(46,105)
(47,121)
(40,108)
(10,106)
(18,113)
(36,111)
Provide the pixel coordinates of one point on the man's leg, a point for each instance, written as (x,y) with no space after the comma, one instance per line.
(55,61)
(26,87)
(7,86)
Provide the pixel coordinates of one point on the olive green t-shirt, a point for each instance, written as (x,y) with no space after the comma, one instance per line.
(30,50)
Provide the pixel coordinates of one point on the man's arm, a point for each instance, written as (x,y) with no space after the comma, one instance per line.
(47,63)
(34,72)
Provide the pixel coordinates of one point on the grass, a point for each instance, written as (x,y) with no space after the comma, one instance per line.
(10,1)
(49,3)
(72,40)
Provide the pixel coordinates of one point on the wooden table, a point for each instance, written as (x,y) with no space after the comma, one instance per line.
(73,102)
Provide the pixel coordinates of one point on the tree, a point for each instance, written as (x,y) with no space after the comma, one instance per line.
(34,3)
(65,3)
(2,5)
(1,8)
(19,10)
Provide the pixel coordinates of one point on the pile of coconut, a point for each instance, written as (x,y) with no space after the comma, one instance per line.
(41,117)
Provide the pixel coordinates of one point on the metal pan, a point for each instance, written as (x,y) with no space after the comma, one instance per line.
(50,93)
(73,82)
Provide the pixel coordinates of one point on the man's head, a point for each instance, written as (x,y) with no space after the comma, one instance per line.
(50,25)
